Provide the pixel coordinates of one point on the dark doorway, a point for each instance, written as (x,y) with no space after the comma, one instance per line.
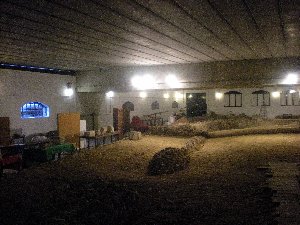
(196,104)
(127,107)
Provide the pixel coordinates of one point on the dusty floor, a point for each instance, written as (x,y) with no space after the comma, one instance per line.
(109,185)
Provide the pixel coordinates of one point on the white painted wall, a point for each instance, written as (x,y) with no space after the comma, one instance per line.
(143,105)
(19,87)
(240,73)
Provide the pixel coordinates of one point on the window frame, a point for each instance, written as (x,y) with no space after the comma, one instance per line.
(235,94)
(30,108)
(263,93)
(286,95)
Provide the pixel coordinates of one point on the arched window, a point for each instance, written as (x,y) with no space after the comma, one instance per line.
(175,105)
(233,99)
(155,105)
(32,110)
(260,98)
(129,106)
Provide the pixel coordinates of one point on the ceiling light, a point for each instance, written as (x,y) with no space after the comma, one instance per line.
(276,94)
(292,91)
(143,82)
(166,95)
(143,94)
(172,81)
(292,78)
(110,94)
(148,82)
(218,95)
(136,81)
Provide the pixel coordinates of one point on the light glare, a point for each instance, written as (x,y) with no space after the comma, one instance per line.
(143,94)
(276,94)
(143,82)
(172,81)
(292,78)
(68,92)
(178,95)
(110,94)
(166,95)
(218,95)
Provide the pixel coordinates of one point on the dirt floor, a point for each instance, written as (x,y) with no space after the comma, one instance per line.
(109,185)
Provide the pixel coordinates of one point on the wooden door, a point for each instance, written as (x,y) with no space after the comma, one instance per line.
(69,127)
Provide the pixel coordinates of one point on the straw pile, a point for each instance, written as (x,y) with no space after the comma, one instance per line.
(169,160)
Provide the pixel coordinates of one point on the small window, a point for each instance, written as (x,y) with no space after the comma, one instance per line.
(289,98)
(32,110)
(261,98)
(175,105)
(155,105)
(233,99)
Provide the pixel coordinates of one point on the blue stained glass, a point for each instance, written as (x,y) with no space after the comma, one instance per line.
(32,110)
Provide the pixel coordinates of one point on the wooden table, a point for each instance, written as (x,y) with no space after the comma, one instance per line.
(100,139)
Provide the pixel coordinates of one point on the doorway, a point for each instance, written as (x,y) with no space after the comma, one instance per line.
(127,108)
(196,104)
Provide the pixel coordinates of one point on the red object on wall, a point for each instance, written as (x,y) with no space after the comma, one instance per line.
(138,125)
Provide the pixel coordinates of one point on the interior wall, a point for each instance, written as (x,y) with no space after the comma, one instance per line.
(225,74)
(245,76)
(142,106)
(20,87)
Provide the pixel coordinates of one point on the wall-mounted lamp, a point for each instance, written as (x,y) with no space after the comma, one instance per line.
(143,94)
(178,95)
(276,94)
(166,95)
(218,95)
(68,90)
(110,94)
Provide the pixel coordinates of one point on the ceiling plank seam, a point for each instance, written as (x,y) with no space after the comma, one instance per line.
(230,26)
(257,26)
(96,30)
(124,29)
(179,28)
(203,25)
(159,32)
(282,25)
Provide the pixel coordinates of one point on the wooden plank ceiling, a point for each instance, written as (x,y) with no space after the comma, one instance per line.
(90,34)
